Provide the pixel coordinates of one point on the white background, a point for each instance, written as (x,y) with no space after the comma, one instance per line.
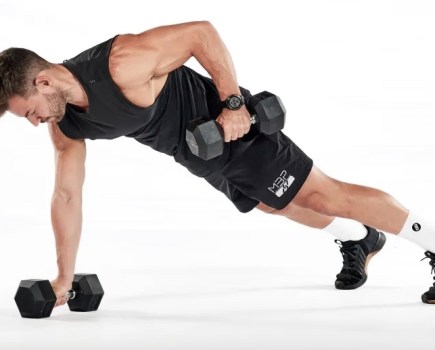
(181,268)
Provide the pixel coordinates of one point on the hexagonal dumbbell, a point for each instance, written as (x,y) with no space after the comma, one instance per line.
(36,298)
(205,137)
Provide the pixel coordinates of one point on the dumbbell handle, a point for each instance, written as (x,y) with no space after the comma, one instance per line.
(71,294)
(253,119)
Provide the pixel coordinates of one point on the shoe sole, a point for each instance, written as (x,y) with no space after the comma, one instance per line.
(376,249)
(425,300)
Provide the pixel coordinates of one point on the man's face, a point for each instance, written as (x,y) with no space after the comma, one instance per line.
(39,107)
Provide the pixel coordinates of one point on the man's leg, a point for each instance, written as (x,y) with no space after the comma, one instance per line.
(300,215)
(273,170)
(369,206)
(343,229)
(358,243)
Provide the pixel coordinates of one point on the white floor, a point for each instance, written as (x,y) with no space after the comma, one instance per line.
(181,268)
(230,290)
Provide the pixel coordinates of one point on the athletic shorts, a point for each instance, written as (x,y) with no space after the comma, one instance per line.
(256,168)
(269,169)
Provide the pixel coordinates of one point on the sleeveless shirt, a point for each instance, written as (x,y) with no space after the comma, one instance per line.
(186,95)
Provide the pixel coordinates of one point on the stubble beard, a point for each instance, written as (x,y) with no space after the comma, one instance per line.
(56,106)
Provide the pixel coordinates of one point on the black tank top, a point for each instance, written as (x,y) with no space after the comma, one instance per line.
(186,95)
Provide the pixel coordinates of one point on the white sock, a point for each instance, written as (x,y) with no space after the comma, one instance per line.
(346,230)
(419,231)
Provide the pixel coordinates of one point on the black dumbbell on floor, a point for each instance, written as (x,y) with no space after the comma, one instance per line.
(36,298)
(205,137)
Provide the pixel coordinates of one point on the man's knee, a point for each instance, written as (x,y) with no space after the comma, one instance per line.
(320,203)
(330,202)
(265,208)
(287,211)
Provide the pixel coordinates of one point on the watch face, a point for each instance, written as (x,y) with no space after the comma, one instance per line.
(234,102)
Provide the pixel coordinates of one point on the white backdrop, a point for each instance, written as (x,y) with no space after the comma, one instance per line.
(357,79)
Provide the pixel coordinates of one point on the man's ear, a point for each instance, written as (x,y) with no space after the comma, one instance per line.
(42,82)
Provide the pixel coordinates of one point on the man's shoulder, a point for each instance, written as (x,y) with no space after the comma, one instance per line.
(99,51)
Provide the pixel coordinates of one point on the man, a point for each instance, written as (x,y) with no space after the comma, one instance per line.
(137,86)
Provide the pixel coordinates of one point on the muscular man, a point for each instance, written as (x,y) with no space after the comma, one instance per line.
(137,86)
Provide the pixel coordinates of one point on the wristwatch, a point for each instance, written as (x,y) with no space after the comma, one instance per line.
(233,102)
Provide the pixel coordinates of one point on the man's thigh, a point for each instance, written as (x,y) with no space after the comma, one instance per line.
(271,170)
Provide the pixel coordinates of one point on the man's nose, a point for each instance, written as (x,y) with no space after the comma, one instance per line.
(34,120)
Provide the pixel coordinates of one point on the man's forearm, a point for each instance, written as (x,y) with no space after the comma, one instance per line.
(214,56)
(66,218)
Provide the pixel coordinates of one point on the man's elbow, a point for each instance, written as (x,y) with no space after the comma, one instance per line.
(66,196)
(205,33)
(206,27)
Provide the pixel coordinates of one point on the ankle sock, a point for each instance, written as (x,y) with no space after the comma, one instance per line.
(346,230)
(419,231)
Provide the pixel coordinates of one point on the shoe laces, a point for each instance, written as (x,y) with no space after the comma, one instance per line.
(349,254)
(431,257)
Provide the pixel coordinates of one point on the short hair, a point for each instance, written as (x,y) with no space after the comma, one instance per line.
(18,70)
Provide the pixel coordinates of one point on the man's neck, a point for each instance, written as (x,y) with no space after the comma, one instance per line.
(73,91)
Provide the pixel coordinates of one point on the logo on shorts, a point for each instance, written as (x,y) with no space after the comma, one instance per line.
(416,227)
(281,184)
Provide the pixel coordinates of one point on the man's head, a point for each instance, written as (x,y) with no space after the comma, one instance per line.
(27,89)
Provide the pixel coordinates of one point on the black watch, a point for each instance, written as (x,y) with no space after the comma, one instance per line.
(233,102)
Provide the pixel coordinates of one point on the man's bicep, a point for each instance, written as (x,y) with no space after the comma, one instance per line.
(70,171)
(69,156)
(59,139)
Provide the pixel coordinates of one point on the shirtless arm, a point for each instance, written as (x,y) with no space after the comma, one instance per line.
(137,59)
(66,205)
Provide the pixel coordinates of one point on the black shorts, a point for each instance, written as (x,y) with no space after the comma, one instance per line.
(257,168)
(269,169)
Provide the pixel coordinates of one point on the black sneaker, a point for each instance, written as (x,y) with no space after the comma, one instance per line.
(429,296)
(356,257)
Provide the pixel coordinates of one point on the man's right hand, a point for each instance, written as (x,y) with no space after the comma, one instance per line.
(234,124)
(61,286)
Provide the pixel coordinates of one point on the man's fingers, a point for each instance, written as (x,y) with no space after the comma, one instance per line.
(228,133)
(235,130)
(61,301)
(233,135)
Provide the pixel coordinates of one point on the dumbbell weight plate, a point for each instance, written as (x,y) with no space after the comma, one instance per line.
(35,298)
(205,138)
(269,112)
(89,293)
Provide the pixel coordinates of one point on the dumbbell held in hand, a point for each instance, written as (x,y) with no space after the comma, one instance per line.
(36,298)
(205,137)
